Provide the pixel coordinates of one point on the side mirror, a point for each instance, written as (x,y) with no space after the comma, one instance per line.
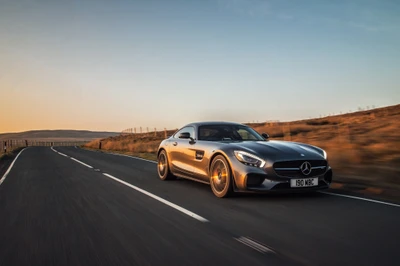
(184,135)
(265,135)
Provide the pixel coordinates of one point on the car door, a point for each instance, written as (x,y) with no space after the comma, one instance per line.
(178,152)
(199,153)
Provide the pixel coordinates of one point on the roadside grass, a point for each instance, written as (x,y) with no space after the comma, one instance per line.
(7,158)
(10,153)
(5,155)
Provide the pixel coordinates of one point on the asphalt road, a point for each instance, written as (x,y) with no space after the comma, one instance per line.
(103,209)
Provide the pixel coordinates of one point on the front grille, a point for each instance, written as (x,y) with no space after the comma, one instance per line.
(292,168)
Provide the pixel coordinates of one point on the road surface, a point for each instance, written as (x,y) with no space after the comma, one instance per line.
(68,206)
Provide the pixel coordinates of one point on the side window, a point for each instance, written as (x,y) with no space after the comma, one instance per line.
(209,133)
(191,131)
(176,135)
(185,129)
(206,133)
(246,135)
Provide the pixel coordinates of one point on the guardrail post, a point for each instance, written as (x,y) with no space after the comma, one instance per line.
(5,146)
(100,145)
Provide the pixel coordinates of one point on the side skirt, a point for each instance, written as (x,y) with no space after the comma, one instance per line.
(191,178)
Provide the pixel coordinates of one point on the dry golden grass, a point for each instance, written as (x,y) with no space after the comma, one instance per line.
(133,143)
(362,146)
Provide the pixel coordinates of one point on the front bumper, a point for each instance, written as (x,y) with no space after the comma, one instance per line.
(272,186)
(252,179)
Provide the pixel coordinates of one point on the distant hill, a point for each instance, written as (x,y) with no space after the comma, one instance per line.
(58,135)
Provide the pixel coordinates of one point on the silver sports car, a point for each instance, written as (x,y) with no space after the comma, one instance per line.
(233,157)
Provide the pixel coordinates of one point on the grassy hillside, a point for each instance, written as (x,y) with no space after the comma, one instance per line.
(361,146)
(57,135)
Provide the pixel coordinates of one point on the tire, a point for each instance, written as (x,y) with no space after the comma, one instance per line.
(163,167)
(221,177)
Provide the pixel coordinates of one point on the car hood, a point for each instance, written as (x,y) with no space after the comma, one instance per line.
(281,150)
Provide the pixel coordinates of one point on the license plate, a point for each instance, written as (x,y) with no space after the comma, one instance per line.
(306,182)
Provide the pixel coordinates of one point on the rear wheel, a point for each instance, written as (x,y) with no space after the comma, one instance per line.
(220,177)
(163,168)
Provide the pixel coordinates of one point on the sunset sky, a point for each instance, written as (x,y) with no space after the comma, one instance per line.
(111,65)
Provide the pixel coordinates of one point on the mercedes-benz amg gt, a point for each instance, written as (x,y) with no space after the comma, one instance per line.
(233,157)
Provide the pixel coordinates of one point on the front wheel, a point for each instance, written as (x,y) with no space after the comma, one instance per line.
(220,177)
(163,168)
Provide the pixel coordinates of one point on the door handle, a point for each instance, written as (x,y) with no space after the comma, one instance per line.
(175,143)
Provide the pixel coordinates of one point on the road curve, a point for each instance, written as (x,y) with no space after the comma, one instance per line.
(70,206)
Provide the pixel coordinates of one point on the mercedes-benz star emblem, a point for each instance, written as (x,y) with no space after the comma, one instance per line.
(305,168)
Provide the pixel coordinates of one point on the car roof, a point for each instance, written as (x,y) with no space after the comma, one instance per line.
(213,123)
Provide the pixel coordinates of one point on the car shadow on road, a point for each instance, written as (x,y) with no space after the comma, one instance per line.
(242,196)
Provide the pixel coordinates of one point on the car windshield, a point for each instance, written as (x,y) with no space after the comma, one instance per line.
(228,133)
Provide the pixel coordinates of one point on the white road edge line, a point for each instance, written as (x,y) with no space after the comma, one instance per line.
(82,163)
(53,149)
(359,198)
(254,245)
(183,210)
(11,166)
(133,157)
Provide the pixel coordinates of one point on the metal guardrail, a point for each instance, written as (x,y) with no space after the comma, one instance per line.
(10,145)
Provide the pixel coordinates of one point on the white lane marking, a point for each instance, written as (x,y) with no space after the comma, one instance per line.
(59,152)
(183,210)
(359,198)
(179,208)
(11,166)
(81,162)
(72,158)
(249,245)
(254,245)
(76,147)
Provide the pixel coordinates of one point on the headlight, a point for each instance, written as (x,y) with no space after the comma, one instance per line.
(325,154)
(249,159)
